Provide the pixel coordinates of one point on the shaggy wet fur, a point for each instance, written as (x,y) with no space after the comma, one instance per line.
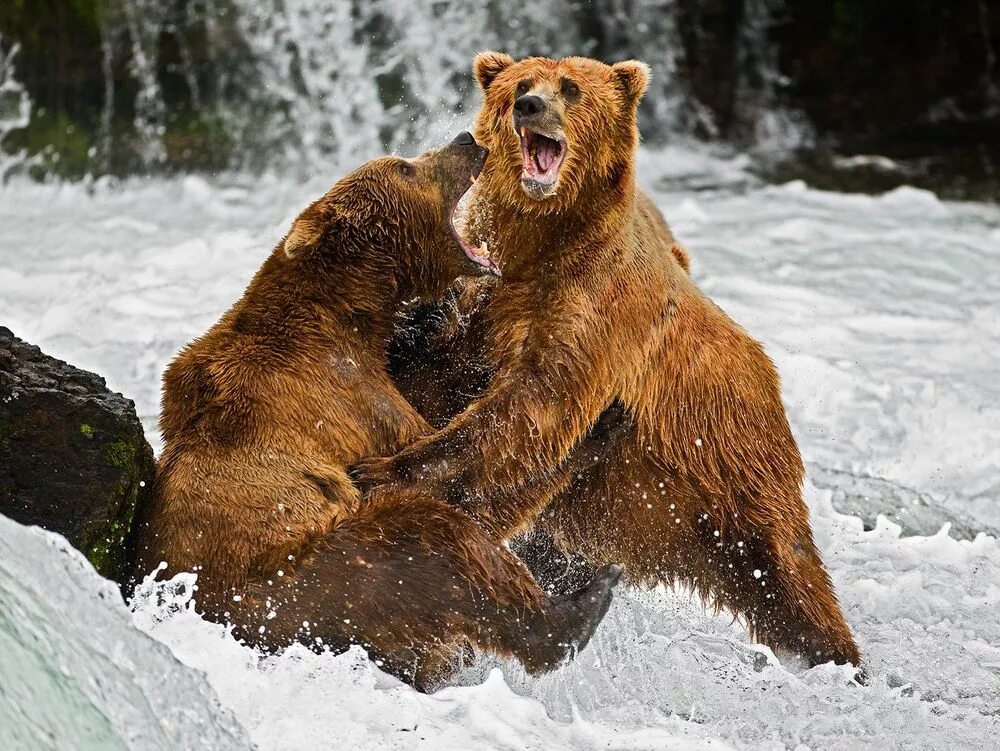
(596,304)
(264,414)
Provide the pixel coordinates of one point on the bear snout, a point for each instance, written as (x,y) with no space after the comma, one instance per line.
(464,139)
(527,108)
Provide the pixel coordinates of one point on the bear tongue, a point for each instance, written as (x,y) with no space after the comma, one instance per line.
(545,153)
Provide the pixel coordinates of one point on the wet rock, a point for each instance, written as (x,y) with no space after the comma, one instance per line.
(878,69)
(917,513)
(957,161)
(73,456)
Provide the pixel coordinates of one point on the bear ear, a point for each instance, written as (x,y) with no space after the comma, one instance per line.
(633,77)
(304,232)
(489,65)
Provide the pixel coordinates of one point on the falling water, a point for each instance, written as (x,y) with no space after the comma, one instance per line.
(758,101)
(326,78)
(265,83)
(322,79)
(15,108)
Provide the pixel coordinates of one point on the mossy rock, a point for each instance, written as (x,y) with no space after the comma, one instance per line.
(73,456)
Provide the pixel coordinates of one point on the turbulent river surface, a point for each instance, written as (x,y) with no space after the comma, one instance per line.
(883,316)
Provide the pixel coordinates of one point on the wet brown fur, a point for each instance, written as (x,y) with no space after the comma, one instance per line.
(596,304)
(263,415)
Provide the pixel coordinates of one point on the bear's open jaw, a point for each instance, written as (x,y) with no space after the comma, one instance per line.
(543,155)
(478,255)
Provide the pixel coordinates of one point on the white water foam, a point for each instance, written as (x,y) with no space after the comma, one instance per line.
(883,314)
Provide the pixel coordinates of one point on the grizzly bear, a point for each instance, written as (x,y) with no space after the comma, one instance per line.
(262,416)
(595,305)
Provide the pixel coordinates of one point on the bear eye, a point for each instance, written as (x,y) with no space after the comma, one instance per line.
(406,169)
(522,88)
(570,89)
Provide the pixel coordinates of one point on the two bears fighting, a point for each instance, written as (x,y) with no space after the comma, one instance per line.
(591,405)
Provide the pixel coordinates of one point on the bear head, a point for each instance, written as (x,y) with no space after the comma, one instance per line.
(557,128)
(398,215)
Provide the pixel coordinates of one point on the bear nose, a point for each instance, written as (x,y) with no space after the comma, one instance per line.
(464,139)
(528,105)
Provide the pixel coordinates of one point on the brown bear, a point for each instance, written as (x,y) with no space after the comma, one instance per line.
(595,305)
(263,414)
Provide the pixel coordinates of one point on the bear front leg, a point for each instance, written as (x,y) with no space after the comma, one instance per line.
(506,450)
(561,374)
(508,510)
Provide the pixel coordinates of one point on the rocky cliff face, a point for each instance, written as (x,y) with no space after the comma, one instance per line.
(73,457)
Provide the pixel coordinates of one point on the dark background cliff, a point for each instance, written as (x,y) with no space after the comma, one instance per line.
(914,80)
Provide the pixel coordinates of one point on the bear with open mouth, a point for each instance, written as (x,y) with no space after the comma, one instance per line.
(595,305)
(263,416)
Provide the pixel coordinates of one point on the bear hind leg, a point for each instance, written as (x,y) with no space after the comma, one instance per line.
(782,589)
(415,581)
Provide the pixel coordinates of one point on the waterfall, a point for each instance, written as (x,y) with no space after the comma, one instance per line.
(15,110)
(325,79)
(314,80)
(236,84)
(772,125)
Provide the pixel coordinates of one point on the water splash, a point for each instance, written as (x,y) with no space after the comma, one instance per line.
(888,372)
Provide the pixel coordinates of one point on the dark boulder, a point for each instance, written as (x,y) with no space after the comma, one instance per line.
(73,456)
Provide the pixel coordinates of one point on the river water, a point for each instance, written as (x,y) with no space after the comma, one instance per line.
(883,316)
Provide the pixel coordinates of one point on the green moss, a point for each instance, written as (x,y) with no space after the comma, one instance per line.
(64,145)
(105,545)
(121,455)
(102,557)
(106,553)
(32,19)
(195,140)
(86,430)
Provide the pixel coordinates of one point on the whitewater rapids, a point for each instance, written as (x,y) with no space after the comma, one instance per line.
(883,316)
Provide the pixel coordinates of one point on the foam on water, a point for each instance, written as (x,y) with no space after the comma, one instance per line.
(76,672)
(883,315)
